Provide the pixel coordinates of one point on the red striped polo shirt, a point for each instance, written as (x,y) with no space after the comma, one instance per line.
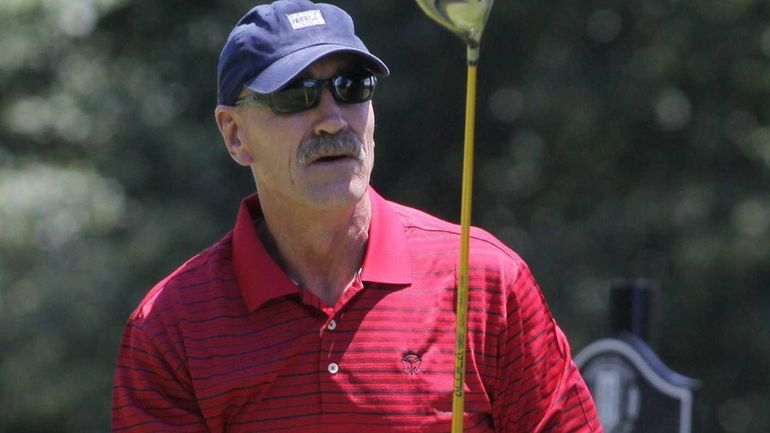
(228,343)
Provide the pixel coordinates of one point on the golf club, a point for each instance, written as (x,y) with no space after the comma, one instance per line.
(465,18)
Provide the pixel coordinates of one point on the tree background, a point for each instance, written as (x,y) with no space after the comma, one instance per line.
(616,139)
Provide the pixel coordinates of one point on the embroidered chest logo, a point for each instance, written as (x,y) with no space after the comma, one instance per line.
(411,362)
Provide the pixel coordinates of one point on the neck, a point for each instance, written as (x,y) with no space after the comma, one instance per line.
(321,250)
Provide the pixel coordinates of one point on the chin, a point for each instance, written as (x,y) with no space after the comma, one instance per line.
(339,194)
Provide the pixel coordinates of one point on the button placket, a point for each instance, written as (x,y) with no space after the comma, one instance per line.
(333,367)
(328,367)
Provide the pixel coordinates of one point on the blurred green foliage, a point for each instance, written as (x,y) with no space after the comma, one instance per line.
(615,139)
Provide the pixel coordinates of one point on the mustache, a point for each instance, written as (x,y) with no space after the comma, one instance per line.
(344,143)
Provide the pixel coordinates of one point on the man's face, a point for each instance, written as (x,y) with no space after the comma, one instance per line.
(297,159)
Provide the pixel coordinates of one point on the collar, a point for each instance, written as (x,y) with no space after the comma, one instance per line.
(386,259)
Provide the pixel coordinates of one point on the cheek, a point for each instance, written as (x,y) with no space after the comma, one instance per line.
(369,129)
(276,145)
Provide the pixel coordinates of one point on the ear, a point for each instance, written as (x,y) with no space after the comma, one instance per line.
(229,121)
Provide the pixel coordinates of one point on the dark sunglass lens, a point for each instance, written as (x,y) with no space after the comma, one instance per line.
(298,96)
(354,89)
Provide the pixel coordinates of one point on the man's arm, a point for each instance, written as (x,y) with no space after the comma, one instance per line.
(152,391)
(539,387)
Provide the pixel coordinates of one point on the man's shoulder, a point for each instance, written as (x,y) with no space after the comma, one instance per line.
(421,224)
(435,242)
(196,280)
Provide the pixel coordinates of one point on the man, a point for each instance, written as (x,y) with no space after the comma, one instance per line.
(328,308)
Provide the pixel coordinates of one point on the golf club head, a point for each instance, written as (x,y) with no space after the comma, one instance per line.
(465,18)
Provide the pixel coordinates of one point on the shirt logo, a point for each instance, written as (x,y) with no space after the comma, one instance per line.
(411,362)
(303,19)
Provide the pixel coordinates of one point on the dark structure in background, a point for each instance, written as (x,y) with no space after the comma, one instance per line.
(635,391)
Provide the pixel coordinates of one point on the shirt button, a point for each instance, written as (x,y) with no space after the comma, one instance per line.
(332,325)
(333,368)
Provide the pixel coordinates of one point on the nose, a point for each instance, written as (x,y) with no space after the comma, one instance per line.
(330,115)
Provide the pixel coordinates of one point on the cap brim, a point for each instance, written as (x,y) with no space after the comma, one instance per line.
(287,68)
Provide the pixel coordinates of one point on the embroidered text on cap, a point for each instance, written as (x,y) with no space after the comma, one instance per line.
(303,19)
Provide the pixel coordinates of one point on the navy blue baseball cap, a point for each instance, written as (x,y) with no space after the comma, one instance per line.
(274,43)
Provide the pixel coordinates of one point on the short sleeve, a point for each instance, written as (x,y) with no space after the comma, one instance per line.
(539,387)
(152,392)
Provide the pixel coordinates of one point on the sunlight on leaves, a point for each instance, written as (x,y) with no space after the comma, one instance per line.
(47,206)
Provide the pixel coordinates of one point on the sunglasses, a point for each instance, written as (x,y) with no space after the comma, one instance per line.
(305,93)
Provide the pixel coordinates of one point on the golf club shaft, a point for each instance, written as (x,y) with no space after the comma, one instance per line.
(461,337)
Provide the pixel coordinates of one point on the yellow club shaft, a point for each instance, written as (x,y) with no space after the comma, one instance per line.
(461,337)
